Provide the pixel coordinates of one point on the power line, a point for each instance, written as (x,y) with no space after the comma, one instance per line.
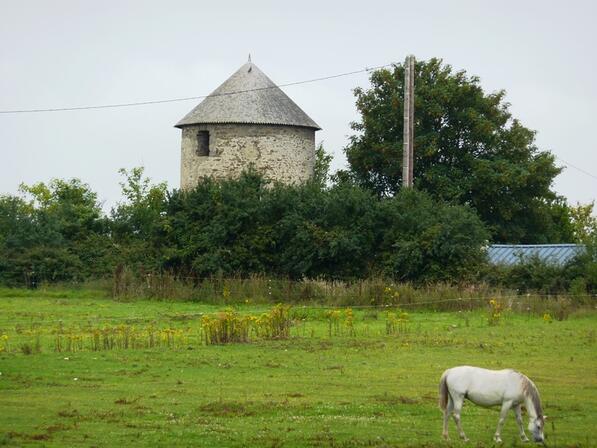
(577,168)
(174,100)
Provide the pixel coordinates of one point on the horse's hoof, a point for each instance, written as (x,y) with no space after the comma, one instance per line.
(524,439)
(497,439)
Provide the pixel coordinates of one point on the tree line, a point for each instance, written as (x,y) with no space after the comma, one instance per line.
(236,227)
(58,232)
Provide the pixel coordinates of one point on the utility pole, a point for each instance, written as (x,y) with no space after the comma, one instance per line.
(409,121)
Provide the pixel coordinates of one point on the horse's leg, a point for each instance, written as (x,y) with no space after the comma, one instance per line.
(458,401)
(518,411)
(447,412)
(506,405)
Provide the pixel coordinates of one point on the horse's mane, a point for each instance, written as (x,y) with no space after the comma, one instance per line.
(530,390)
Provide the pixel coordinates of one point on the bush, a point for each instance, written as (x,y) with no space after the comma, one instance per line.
(428,241)
(55,232)
(243,227)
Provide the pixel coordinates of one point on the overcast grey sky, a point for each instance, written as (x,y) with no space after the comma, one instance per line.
(73,53)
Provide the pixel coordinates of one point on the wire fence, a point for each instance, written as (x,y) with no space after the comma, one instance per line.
(513,300)
(247,308)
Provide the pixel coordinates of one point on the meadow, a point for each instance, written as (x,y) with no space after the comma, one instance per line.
(80,369)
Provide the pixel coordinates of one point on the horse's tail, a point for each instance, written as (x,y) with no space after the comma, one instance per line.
(443,391)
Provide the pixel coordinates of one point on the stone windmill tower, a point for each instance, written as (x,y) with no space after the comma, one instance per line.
(247,121)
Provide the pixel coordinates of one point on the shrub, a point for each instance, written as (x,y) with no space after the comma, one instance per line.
(495,312)
(578,277)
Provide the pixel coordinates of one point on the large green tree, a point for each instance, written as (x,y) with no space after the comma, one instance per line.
(468,150)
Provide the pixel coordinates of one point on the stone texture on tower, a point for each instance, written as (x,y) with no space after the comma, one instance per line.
(247,121)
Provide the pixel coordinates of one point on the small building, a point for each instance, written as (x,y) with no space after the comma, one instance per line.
(247,121)
(511,254)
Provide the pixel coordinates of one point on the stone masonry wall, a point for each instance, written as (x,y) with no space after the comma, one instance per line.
(282,153)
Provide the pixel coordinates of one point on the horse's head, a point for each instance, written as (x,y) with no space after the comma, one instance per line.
(536,427)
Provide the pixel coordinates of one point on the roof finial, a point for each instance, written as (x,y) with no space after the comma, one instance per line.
(249,61)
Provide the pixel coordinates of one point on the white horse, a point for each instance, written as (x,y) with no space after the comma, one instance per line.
(507,388)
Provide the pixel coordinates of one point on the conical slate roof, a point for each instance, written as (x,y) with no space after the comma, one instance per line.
(248,96)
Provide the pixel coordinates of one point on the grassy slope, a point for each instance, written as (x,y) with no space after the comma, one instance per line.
(312,390)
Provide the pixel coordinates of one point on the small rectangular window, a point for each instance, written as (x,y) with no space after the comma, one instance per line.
(203,143)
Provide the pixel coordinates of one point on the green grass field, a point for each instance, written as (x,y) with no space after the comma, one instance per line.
(313,389)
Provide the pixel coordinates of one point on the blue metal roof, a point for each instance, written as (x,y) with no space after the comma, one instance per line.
(510,254)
